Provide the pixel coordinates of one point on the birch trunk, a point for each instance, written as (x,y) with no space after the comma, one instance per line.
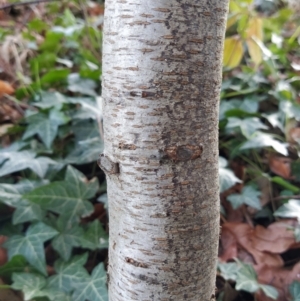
(161,82)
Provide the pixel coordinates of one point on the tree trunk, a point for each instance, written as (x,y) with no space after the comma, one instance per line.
(161,81)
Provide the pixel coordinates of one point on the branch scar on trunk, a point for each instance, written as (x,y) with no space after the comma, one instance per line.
(136,263)
(183,152)
(107,165)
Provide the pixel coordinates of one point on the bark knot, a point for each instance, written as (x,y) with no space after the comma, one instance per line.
(136,263)
(107,165)
(183,152)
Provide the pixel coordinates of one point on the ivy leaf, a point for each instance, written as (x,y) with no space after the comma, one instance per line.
(249,196)
(226,177)
(93,287)
(88,143)
(67,198)
(297,233)
(81,85)
(86,151)
(290,209)
(17,264)
(30,284)
(228,270)
(31,245)
(47,100)
(69,236)
(295,290)
(246,279)
(275,120)
(95,237)
(26,212)
(17,161)
(69,274)
(45,126)
(248,126)
(35,286)
(11,194)
(89,107)
(269,291)
(260,140)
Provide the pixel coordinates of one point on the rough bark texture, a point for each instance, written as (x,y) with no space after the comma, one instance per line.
(161,83)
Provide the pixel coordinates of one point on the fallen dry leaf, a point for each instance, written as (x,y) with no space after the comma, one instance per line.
(3,253)
(294,135)
(244,240)
(95,9)
(280,278)
(6,88)
(277,238)
(280,166)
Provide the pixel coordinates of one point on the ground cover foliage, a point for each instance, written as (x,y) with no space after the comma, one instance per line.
(53,206)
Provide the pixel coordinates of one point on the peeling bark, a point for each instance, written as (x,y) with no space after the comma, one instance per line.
(161,82)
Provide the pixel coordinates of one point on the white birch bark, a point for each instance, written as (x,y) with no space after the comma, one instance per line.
(161,82)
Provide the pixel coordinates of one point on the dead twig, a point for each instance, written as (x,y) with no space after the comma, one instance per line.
(284,197)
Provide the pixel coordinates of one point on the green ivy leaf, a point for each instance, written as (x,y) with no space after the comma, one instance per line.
(95,237)
(290,209)
(69,236)
(89,107)
(47,100)
(269,291)
(86,151)
(67,198)
(248,126)
(31,245)
(55,75)
(92,288)
(84,86)
(260,140)
(30,284)
(246,279)
(12,196)
(17,161)
(35,286)
(226,177)
(88,143)
(17,264)
(69,274)
(295,290)
(228,270)
(45,126)
(249,196)
(27,212)
(297,233)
